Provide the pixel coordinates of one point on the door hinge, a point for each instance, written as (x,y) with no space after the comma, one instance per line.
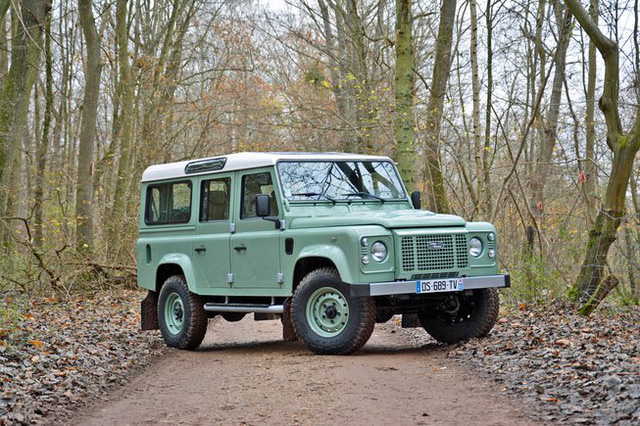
(229,278)
(279,277)
(232,228)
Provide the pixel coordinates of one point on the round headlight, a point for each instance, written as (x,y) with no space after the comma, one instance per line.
(491,236)
(378,251)
(475,247)
(364,241)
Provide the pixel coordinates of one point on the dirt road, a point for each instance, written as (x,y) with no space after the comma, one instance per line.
(245,374)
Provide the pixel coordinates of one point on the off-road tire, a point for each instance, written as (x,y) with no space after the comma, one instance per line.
(288,332)
(194,318)
(360,312)
(493,309)
(476,316)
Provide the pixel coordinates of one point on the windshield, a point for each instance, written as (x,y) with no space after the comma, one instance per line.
(340,180)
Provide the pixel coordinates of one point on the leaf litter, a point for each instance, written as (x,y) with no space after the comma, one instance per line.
(57,356)
(572,369)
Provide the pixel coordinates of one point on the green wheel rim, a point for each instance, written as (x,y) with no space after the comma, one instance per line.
(174,313)
(327,312)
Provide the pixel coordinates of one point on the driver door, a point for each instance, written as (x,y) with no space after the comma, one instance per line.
(255,246)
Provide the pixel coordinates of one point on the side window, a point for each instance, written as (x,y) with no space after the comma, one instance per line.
(168,203)
(252,185)
(214,204)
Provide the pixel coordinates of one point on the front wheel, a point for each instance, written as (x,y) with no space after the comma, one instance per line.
(326,318)
(462,316)
(181,316)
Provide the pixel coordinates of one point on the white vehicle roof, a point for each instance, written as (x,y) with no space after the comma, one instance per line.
(249,160)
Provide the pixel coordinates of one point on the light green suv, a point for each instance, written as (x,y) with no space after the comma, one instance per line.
(329,243)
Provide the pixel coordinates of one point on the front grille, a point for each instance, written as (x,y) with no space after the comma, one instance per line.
(462,253)
(434,275)
(434,252)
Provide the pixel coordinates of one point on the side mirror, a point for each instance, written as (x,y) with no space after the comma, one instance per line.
(263,205)
(415,199)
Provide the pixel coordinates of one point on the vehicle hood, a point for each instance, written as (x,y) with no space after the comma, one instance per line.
(388,219)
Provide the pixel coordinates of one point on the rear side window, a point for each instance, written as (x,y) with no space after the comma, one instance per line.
(168,203)
(216,194)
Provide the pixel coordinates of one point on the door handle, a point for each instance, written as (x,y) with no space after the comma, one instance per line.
(240,248)
(200,249)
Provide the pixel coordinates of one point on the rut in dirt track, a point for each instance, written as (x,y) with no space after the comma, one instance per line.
(245,374)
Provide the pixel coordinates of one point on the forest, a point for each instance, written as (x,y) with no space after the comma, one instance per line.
(523,113)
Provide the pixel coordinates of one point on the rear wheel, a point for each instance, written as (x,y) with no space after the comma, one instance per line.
(326,318)
(463,316)
(181,316)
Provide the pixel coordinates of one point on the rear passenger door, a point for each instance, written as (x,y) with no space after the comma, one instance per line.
(213,230)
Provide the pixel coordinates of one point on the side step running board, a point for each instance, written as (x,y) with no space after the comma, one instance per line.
(244,308)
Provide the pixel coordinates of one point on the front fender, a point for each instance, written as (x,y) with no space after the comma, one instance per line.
(332,253)
(184,262)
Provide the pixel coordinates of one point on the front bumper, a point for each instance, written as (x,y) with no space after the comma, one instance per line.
(409,287)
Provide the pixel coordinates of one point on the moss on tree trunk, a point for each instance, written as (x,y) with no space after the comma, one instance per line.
(404,121)
(590,288)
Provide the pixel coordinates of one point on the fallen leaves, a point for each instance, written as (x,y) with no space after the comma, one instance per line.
(67,352)
(569,363)
(563,364)
(38,344)
(564,342)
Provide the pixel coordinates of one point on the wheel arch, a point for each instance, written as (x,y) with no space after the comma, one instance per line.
(306,265)
(319,257)
(175,264)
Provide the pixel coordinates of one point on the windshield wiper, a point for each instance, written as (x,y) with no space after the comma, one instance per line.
(315,194)
(365,194)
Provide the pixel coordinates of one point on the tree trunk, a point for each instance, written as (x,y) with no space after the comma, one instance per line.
(125,91)
(478,147)
(631,241)
(43,148)
(165,71)
(84,183)
(547,143)
(590,288)
(15,96)
(403,123)
(591,173)
(434,190)
(358,82)
(486,153)
(4,44)
(339,94)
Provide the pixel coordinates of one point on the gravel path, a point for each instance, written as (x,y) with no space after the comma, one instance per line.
(58,357)
(245,374)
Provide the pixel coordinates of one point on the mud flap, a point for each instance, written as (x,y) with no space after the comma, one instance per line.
(410,321)
(288,333)
(149,312)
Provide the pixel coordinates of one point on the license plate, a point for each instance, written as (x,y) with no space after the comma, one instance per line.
(436,286)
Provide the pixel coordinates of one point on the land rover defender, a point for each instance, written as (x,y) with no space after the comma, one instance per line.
(329,243)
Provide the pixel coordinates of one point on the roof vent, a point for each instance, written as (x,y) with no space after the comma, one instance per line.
(208,165)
